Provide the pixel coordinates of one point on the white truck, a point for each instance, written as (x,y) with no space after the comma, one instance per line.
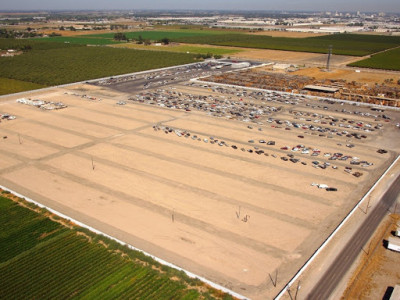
(396,293)
(394,243)
(397,232)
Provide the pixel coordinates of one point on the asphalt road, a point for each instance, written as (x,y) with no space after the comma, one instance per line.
(139,84)
(345,259)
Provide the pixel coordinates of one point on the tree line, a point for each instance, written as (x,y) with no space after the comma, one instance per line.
(120,36)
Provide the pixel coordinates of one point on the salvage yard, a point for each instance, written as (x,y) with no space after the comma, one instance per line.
(192,180)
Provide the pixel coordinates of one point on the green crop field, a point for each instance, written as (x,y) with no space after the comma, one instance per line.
(343,44)
(72,64)
(8,86)
(388,60)
(108,38)
(32,44)
(158,35)
(82,40)
(204,50)
(181,48)
(43,259)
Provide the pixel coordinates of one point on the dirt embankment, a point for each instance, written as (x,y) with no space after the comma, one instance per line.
(379,268)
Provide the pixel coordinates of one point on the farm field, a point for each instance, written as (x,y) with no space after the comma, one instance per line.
(342,44)
(289,34)
(155,35)
(108,37)
(60,60)
(74,63)
(82,40)
(231,216)
(8,86)
(388,60)
(194,49)
(43,256)
(31,44)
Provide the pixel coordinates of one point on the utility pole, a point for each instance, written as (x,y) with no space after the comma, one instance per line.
(329,57)
(366,209)
(295,294)
(274,282)
(238,213)
(369,199)
(297,290)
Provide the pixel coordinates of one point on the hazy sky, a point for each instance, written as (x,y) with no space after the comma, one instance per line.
(287,5)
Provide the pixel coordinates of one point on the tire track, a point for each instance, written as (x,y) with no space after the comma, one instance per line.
(237,157)
(198,224)
(205,193)
(249,181)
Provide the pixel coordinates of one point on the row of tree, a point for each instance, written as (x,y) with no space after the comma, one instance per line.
(12,34)
(119,36)
(208,55)
(116,27)
(72,28)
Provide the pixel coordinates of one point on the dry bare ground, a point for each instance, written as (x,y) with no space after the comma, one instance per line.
(379,268)
(363,76)
(180,199)
(292,57)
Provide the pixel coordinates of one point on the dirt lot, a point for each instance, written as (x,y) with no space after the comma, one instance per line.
(231,216)
(297,58)
(364,76)
(363,86)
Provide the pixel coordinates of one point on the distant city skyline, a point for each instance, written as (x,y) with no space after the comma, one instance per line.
(265,5)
